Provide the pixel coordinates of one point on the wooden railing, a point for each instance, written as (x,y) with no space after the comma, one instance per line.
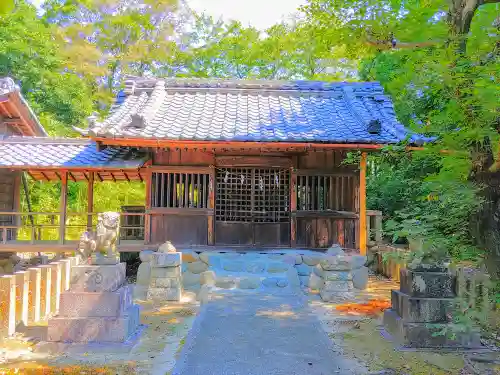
(37,227)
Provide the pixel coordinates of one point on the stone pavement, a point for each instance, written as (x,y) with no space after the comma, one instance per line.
(254,333)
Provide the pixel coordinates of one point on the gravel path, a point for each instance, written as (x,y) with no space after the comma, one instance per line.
(245,333)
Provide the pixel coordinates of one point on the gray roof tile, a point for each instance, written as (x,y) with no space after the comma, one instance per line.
(32,152)
(272,111)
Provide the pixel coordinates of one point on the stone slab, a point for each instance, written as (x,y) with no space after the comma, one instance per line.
(166,282)
(422,310)
(427,284)
(95,278)
(96,304)
(94,329)
(163,260)
(424,335)
(166,272)
(335,296)
(165,294)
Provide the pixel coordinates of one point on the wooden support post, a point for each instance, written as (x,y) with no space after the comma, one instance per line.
(90,200)
(63,208)
(16,205)
(211,204)
(362,205)
(147,219)
(293,207)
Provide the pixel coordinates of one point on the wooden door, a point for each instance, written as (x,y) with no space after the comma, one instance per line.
(252,207)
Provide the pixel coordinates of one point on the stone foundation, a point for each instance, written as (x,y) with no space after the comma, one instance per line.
(165,281)
(97,308)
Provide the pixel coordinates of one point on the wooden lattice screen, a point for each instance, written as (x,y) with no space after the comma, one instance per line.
(180,190)
(252,195)
(320,193)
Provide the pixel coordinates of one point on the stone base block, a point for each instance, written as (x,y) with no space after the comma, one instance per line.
(166,259)
(94,329)
(422,310)
(96,304)
(165,294)
(423,335)
(166,272)
(94,278)
(331,296)
(165,282)
(427,284)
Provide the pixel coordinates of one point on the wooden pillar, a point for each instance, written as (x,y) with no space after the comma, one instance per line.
(147,218)
(16,205)
(293,207)
(63,208)
(211,205)
(90,200)
(362,205)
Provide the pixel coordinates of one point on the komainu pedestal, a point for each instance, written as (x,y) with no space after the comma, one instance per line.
(423,307)
(97,308)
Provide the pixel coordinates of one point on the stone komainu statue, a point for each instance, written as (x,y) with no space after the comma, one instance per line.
(104,238)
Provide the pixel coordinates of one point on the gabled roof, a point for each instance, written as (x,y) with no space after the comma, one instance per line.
(15,111)
(252,111)
(79,155)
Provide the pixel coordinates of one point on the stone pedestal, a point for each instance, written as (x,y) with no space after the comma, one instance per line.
(423,307)
(98,307)
(166,277)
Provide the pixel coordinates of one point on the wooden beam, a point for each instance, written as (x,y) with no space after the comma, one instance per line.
(63,207)
(147,218)
(362,205)
(211,205)
(293,207)
(90,199)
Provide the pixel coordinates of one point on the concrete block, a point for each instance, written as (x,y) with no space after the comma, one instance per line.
(166,272)
(45,291)
(422,310)
(427,284)
(165,294)
(8,300)
(95,278)
(94,329)
(166,259)
(424,335)
(96,304)
(166,282)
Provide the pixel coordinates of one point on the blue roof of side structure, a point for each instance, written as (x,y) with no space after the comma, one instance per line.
(257,111)
(34,153)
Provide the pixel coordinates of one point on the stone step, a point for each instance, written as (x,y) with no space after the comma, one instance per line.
(94,329)
(424,335)
(421,309)
(96,304)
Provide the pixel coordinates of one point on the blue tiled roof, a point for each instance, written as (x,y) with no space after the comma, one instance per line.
(267,111)
(33,153)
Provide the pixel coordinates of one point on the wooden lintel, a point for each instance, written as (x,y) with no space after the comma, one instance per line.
(331,214)
(187,144)
(178,169)
(326,173)
(253,161)
(180,211)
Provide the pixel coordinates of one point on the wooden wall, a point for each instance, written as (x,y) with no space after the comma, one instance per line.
(317,223)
